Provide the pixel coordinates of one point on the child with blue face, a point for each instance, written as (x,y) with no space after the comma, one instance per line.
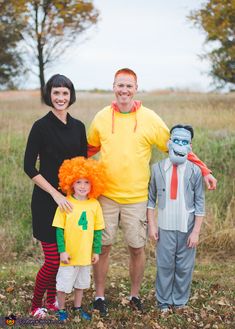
(176,185)
(180,144)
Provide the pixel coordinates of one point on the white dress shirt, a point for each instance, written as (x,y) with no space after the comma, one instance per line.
(175,215)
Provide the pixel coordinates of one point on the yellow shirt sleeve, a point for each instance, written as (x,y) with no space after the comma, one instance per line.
(162,133)
(93,136)
(99,219)
(59,218)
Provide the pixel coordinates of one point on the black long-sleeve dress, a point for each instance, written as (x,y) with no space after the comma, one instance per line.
(53,141)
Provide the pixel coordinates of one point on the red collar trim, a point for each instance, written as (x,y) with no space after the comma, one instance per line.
(135,107)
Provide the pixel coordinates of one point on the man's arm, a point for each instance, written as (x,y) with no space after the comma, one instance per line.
(152,196)
(161,138)
(93,139)
(152,225)
(92,150)
(209,179)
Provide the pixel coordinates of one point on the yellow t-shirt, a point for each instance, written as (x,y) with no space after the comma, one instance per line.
(125,142)
(79,226)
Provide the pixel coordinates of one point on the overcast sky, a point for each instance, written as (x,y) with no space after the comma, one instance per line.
(153,37)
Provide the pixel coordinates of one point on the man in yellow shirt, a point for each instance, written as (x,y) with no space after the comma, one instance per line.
(124,133)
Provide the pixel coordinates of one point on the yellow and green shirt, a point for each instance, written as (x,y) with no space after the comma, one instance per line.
(79,227)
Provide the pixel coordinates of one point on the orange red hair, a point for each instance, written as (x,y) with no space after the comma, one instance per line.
(79,167)
(127,72)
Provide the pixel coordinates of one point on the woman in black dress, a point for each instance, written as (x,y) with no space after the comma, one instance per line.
(55,137)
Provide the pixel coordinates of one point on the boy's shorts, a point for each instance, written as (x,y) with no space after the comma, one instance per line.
(131,218)
(69,277)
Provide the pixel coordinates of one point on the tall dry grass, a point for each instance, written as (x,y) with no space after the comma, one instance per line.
(212,116)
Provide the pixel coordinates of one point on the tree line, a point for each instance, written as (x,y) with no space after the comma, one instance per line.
(40,31)
(217,19)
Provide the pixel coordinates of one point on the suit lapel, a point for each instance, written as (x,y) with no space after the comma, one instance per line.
(162,171)
(188,174)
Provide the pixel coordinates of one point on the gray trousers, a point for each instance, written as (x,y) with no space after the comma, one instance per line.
(175,264)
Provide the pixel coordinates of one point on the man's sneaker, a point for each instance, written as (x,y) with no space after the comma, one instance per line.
(100,305)
(62,315)
(136,304)
(82,314)
(39,313)
(54,307)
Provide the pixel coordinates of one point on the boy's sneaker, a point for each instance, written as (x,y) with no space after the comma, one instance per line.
(100,305)
(181,308)
(62,315)
(82,314)
(164,310)
(136,304)
(39,313)
(54,307)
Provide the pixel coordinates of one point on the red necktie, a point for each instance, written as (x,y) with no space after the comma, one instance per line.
(174,182)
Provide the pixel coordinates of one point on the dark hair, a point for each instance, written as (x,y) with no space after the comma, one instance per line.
(58,80)
(187,127)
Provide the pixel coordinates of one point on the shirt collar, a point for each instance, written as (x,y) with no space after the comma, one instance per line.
(135,107)
(168,165)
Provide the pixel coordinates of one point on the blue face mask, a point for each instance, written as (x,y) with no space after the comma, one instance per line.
(179,145)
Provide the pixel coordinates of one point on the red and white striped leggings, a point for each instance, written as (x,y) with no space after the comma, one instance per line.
(46,277)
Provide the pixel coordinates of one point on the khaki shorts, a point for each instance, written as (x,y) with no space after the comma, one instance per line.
(69,277)
(131,218)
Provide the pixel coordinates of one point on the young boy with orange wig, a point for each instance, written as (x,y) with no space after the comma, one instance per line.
(78,232)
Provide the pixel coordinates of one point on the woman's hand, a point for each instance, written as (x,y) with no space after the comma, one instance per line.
(59,198)
(62,202)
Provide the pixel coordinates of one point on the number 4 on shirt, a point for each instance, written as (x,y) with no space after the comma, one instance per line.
(83,221)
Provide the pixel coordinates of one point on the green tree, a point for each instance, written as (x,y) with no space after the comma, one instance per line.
(53,26)
(217,19)
(50,28)
(11,63)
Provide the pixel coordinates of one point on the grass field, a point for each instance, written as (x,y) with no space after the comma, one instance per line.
(211,303)
(213,117)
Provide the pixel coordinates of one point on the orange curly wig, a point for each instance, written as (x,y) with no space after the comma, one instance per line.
(79,167)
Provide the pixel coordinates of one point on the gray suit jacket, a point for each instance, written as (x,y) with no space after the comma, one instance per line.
(193,187)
